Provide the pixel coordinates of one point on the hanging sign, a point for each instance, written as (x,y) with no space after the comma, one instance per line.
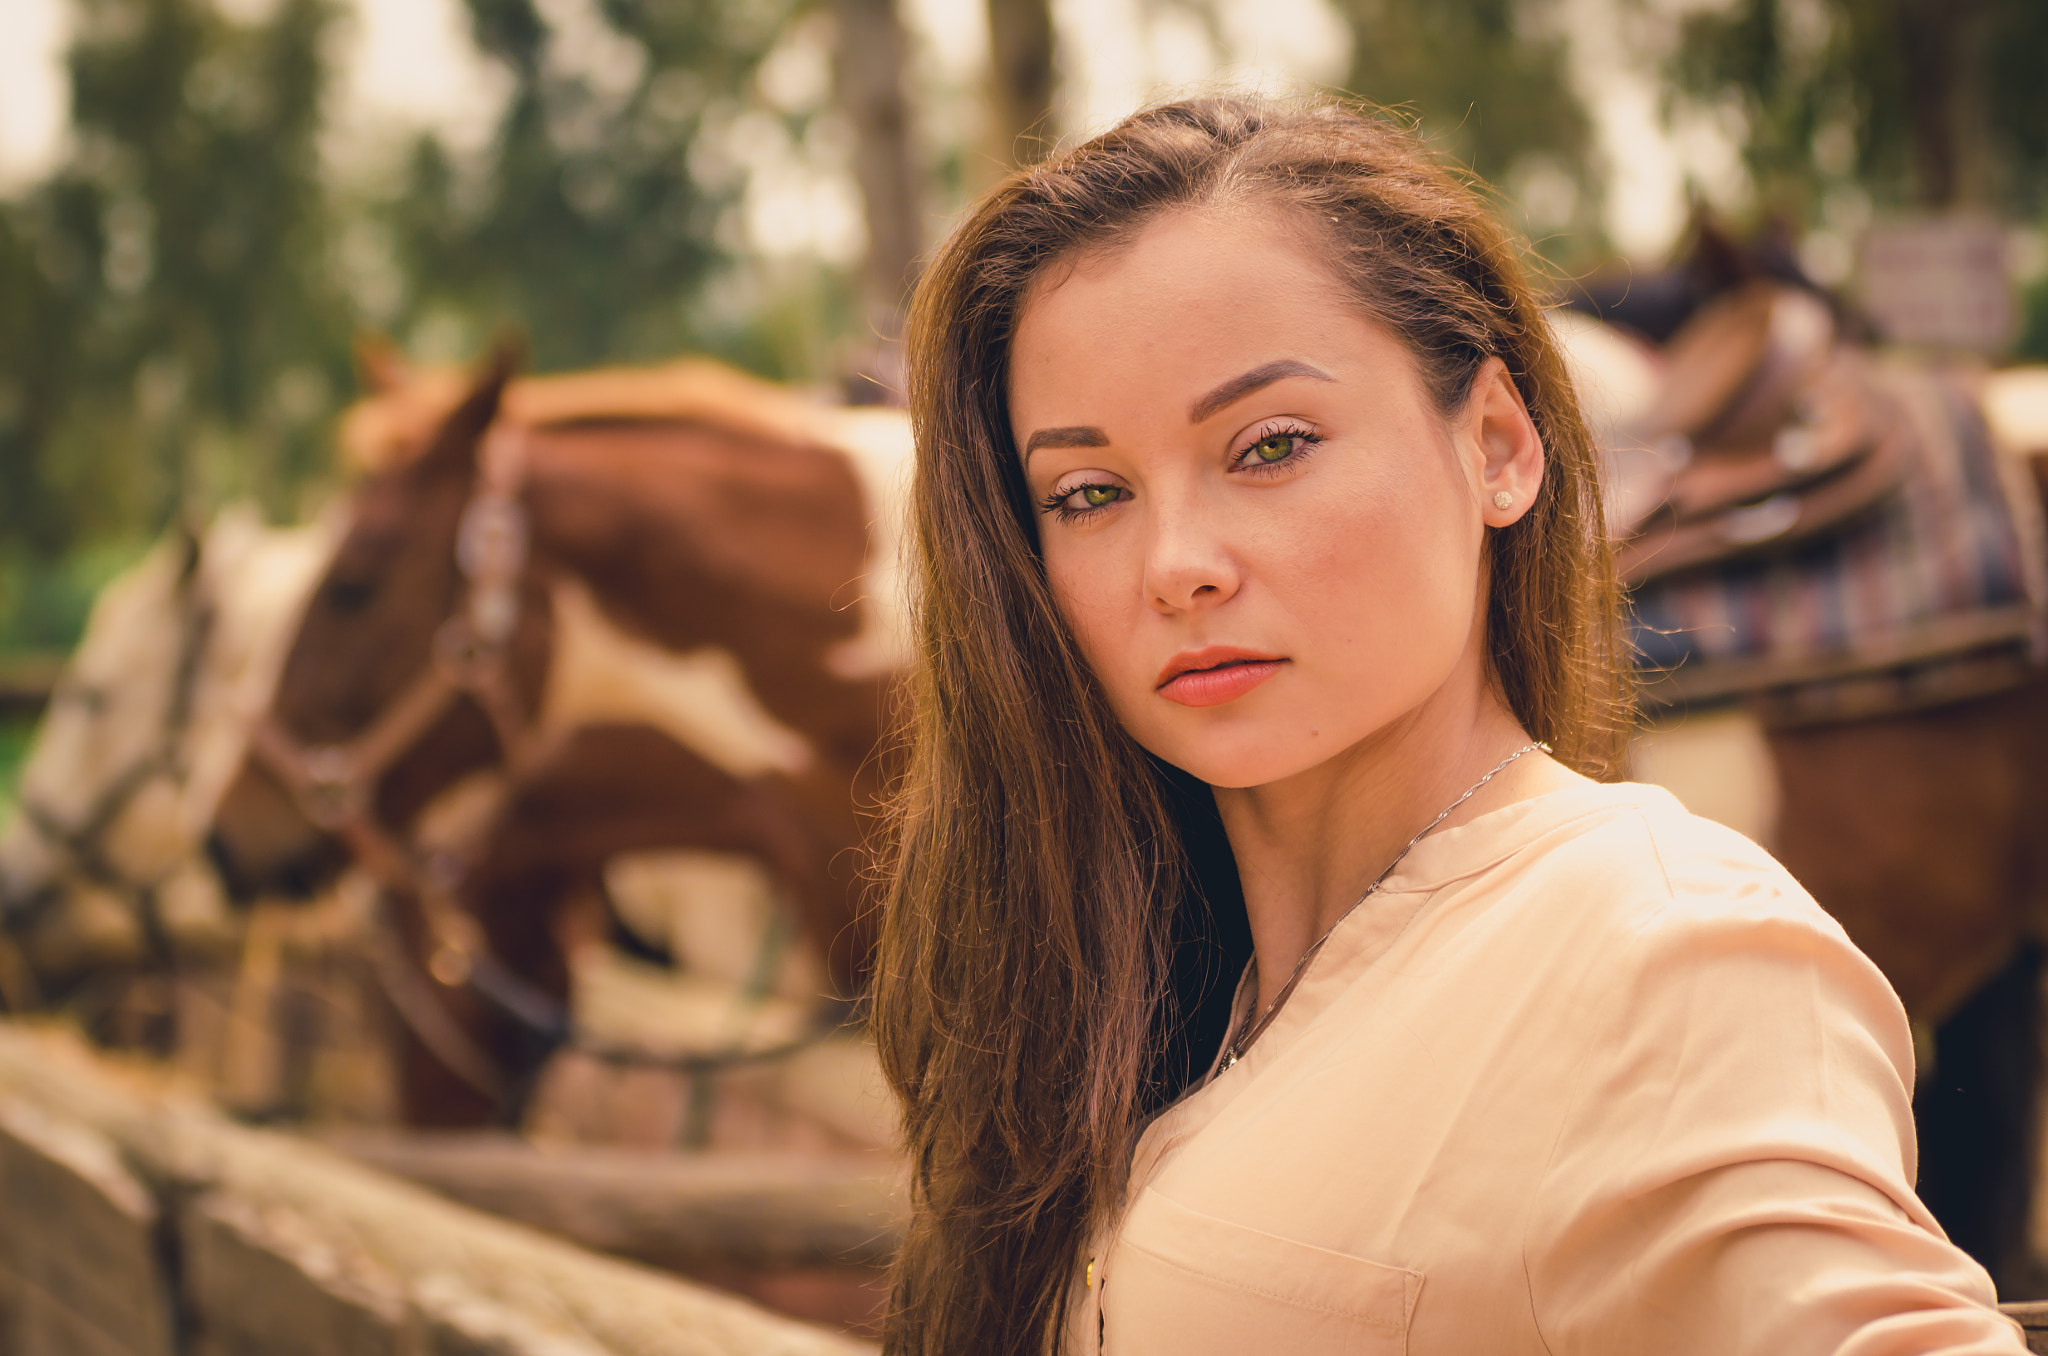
(1944,282)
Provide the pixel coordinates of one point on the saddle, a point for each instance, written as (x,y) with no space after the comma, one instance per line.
(1823,532)
(1767,434)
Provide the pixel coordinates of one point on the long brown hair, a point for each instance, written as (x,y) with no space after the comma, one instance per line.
(1043,868)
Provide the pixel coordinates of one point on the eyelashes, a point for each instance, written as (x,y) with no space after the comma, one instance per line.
(1060,503)
(1300,444)
(1289,443)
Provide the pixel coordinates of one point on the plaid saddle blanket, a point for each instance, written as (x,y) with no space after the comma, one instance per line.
(1935,595)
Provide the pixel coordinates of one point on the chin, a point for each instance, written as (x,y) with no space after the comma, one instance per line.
(1248,757)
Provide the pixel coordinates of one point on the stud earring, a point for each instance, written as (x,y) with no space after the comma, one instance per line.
(1502,499)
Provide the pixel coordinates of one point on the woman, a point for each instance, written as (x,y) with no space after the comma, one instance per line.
(1266,616)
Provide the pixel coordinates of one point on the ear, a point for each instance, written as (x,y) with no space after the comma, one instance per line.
(454,448)
(1504,451)
(380,365)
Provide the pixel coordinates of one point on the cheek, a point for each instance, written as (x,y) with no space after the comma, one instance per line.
(1381,532)
(1096,596)
(1381,587)
(1387,573)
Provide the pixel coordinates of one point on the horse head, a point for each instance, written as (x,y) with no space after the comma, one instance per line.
(331,753)
(99,867)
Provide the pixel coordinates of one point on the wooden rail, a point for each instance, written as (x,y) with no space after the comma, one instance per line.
(2033,1318)
(140,1222)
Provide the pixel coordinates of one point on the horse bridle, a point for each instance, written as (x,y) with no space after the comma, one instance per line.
(335,787)
(82,846)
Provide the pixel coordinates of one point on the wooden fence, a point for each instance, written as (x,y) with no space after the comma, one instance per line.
(135,1220)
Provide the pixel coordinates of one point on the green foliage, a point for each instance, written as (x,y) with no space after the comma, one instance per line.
(2032,344)
(16,732)
(43,600)
(166,333)
(589,231)
(1487,81)
(177,301)
(1914,100)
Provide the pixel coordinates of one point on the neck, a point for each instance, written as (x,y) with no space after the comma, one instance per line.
(1309,845)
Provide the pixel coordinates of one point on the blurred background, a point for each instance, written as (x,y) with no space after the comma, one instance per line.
(203,201)
(1819,225)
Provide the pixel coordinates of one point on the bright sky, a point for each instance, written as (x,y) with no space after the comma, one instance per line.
(33,90)
(410,63)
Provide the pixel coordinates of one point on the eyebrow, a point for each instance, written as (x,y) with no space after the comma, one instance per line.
(1074,435)
(1236,389)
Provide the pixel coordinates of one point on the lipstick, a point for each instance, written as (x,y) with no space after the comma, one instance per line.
(1215,675)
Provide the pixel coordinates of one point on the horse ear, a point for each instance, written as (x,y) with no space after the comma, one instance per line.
(1715,260)
(507,355)
(381,365)
(190,541)
(455,446)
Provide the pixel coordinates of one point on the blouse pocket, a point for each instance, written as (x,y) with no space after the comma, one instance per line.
(1184,1283)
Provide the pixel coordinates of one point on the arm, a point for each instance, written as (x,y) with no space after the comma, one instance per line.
(1735,1175)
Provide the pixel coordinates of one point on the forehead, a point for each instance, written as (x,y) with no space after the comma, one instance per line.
(1195,298)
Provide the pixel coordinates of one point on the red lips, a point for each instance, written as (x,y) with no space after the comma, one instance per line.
(1214,675)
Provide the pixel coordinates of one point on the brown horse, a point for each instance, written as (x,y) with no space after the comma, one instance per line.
(1907,791)
(700,545)
(1926,833)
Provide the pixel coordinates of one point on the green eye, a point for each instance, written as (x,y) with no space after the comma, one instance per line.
(1096,496)
(1273,447)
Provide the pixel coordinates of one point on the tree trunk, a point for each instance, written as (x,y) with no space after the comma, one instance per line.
(869,69)
(1021,45)
(1947,86)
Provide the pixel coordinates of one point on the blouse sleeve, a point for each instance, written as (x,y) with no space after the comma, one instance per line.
(1735,1173)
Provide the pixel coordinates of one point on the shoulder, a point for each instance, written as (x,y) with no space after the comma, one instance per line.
(1736,1154)
(1646,867)
(1686,928)
(1676,919)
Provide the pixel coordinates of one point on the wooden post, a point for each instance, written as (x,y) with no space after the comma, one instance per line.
(81,1267)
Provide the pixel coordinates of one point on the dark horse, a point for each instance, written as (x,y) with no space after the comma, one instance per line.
(435,655)
(1912,788)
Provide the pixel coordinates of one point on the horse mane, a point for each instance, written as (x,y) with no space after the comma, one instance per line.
(394,424)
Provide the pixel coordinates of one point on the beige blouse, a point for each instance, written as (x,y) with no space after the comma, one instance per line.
(1588,1075)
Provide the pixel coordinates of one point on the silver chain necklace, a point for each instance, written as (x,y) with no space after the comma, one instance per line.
(1234,1051)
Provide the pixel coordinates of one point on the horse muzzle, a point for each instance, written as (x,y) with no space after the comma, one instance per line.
(262,844)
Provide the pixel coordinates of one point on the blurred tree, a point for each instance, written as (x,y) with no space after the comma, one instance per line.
(1487,81)
(1939,103)
(586,226)
(1022,45)
(870,77)
(165,331)
(177,300)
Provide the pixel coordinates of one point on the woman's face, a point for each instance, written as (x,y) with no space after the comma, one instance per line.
(1263,534)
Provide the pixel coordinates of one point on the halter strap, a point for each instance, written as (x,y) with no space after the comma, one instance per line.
(82,846)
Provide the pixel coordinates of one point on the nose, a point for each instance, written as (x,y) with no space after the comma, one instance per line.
(1188,560)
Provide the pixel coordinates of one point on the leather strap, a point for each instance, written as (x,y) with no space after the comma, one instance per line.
(83,845)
